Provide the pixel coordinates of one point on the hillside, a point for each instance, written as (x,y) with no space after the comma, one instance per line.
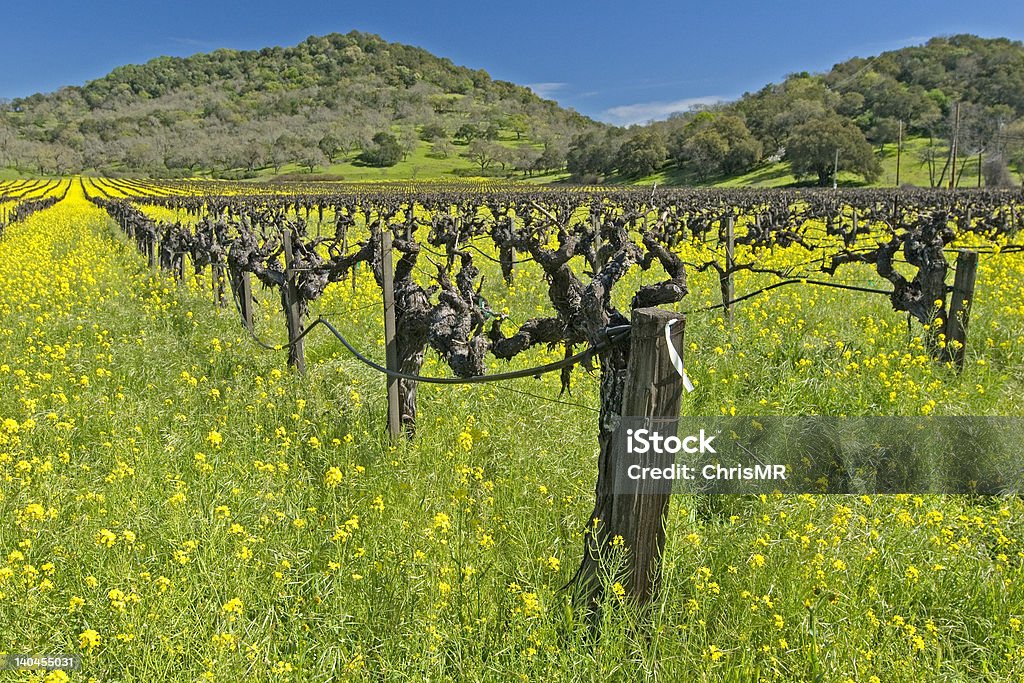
(962,87)
(317,104)
(355,107)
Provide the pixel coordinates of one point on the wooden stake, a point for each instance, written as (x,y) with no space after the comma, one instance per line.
(217,280)
(648,389)
(960,306)
(512,250)
(245,299)
(728,286)
(390,331)
(292,308)
(653,390)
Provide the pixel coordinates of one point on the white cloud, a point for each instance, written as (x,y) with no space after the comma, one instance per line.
(641,112)
(193,42)
(546,90)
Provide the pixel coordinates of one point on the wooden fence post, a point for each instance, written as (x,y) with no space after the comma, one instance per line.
(634,510)
(390,330)
(960,306)
(217,280)
(653,391)
(245,299)
(292,307)
(510,277)
(728,286)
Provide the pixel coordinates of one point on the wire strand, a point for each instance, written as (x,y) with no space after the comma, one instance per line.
(613,335)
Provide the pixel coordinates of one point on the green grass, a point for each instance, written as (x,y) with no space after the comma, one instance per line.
(778,174)
(912,170)
(419,165)
(7,173)
(157,466)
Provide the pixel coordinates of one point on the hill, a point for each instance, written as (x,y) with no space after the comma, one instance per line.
(963,87)
(357,107)
(317,104)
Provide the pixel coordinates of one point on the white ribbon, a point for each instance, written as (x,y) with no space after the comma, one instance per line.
(674,356)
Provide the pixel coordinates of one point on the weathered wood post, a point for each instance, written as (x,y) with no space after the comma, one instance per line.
(508,253)
(355,266)
(728,285)
(390,330)
(244,290)
(453,251)
(292,307)
(635,510)
(653,391)
(960,306)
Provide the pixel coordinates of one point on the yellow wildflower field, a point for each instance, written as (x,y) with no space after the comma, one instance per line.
(176,505)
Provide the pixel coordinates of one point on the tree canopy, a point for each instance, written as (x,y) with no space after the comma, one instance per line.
(820,145)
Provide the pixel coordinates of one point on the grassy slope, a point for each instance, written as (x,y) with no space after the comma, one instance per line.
(777,174)
(419,165)
(13,174)
(178,481)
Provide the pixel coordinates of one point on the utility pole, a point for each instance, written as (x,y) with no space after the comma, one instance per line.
(979,169)
(835,171)
(899,151)
(953,148)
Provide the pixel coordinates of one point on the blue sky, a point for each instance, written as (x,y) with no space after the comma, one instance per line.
(620,62)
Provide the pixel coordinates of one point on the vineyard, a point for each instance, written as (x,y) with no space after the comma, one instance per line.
(323,432)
